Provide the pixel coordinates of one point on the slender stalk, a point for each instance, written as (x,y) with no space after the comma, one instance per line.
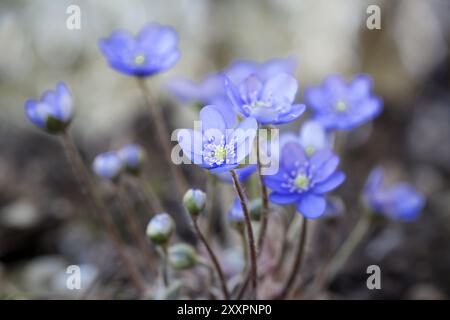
(347,248)
(164,138)
(265,199)
(214,260)
(251,239)
(133,225)
(165,272)
(151,196)
(290,280)
(87,186)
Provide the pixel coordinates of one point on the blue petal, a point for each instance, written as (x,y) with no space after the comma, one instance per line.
(191,142)
(38,118)
(311,206)
(159,39)
(360,86)
(331,183)
(312,135)
(244,135)
(296,111)
(276,66)
(283,199)
(282,86)
(223,168)
(292,154)
(212,121)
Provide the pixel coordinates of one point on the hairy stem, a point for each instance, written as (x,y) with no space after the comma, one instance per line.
(214,260)
(164,138)
(133,225)
(265,199)
(87,186)
(290,280)
(251,240)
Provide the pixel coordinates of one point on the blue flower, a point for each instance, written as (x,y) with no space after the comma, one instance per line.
(400,201)
(210,89)
(235,213)
(53,111)
(312,137)
(221,144)
(243,174)
(268,101)
(343,106)
(132,156)
(107,165)
(304,181)
(153,50)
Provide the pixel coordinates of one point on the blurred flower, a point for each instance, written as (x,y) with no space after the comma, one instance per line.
(400,201)
(235,213)
(343,106)
(304,181)
(160,228)
(313,137)
(221,144)
(107,165)
(210,89)
(335,207)
(268,101)
(194,201)
(182,256)
(243,174)
(153,50)
(53,111)
(132,156)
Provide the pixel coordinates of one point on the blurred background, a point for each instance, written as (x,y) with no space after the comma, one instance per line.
(408,58)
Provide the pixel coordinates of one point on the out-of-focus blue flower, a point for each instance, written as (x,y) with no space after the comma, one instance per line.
(243,174)
(335,207)
(235,213)
(400,201)
(222,143)
(312,137)
(268,101)
(303,180)
(210,89)
(132,156)
(153,50)
(53,111)
(107,165)
(339,105)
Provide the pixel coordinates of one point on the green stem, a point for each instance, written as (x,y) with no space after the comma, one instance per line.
(251,239)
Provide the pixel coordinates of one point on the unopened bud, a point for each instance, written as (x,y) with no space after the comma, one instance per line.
(194,201)
(182,256)
(160,228)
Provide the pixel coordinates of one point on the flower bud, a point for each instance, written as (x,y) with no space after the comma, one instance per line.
(255,209)
(107,165)
(160,228)
(182,256)
(194,201)
(132,156)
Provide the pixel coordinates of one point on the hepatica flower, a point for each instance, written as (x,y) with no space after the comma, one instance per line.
(312,137)
(107,165)
(132,156)
(400,201)
(268,101)
(221,144)
(53,111)
(210,89)
(303,181)
(243,174)
(339,105)
(152,50)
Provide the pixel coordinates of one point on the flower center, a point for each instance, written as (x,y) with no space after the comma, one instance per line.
(301,181)
(220,153)
(259,104)
(310,150)
(341,106)
(139,59)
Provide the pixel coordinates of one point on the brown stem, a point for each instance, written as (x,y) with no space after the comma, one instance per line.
(133,225)
(265,199)
(290,281)
(214,260)
(87,186)
(164,138)
(251,239)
